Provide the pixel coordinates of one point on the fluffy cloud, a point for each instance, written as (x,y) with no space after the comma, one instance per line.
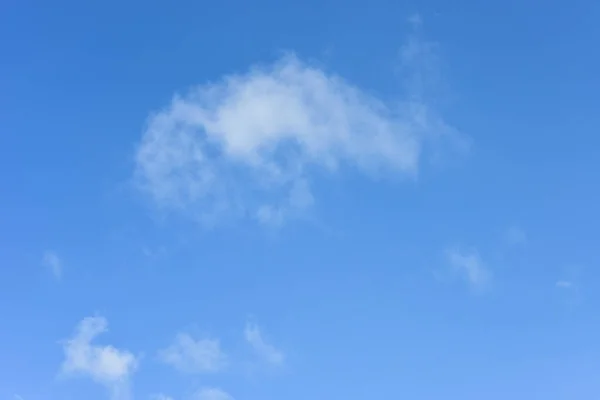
(104,364)
(250,144)
(53,262)
(470,266)
(265,351)
(194,356)
(212,394)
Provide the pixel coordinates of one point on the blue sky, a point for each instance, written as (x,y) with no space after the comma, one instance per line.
(292,200)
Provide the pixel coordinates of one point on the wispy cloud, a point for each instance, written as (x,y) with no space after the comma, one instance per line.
(571,290)
(572,283)
(565,285)
(212,394)
(251,144)
(51,261)
(264,350)
(106,365)
(415,20)
(471,267)
(194,356)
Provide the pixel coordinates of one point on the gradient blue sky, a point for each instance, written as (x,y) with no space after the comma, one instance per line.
(347,200)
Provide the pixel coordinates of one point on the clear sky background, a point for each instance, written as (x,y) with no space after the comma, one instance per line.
(299,200)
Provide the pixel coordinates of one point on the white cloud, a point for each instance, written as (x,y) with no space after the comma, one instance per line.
(251,144)
(104,364)
(266,351)
(212,394)
(53,262)
(470,266)
(194,356)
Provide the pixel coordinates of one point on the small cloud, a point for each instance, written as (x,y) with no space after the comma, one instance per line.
(565,285)
(106,365)
(193,356)
(470,266)
(212,394)
(266,351)
(516,236)
(17,397)
(51,261)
